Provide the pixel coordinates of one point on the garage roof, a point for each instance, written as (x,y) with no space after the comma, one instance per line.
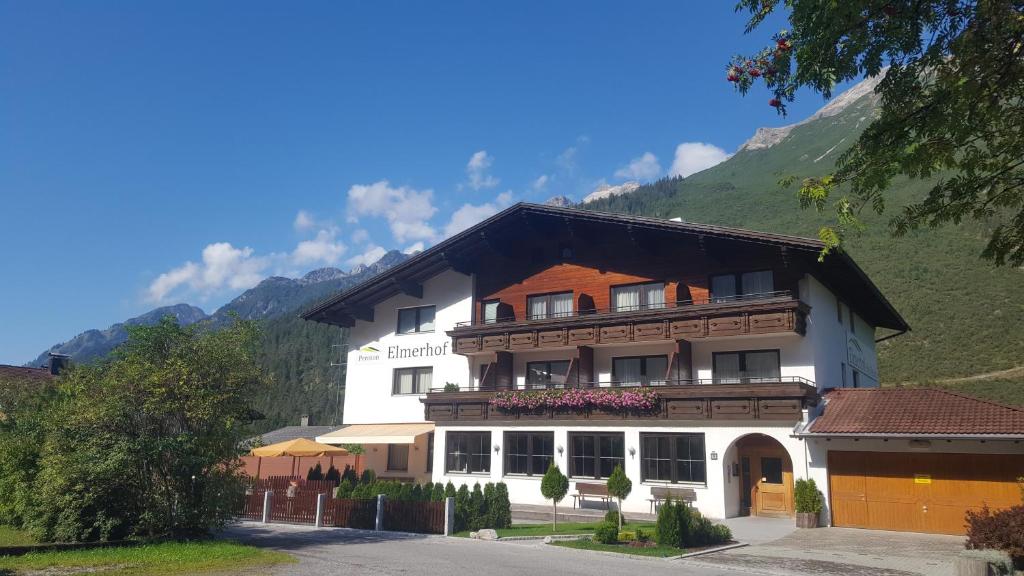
(914,412)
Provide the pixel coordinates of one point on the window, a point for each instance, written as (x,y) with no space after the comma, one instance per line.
(639,370)
(546,374)
(549,305)
(771,470)
(672,458)
(490,309)
(415,320)
(529,453)
(412,380)
(595,455)
(727,287)
(749,366)
(398,457)
(467,453)
(638,296)
(430,452)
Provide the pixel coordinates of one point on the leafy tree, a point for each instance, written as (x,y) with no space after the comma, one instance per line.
(950,107)
(554,486)
(619,486)
(147,443)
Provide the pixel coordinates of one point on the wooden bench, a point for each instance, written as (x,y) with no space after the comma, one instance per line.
(586,490)
(660,494)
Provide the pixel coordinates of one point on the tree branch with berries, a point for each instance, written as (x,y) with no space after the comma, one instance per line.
(951,108)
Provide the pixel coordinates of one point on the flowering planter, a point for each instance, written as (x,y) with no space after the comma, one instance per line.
(600,402)
(806,519)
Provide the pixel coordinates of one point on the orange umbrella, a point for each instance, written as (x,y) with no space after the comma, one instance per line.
(296,448)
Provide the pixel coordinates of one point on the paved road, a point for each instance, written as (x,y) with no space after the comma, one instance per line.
(330,551)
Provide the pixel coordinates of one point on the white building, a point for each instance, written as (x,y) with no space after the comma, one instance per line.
(734,334)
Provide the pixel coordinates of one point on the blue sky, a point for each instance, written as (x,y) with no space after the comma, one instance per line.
(162,152)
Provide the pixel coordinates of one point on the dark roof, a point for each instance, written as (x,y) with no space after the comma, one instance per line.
(8,372)
(838,271)
(914,411)
(292,432)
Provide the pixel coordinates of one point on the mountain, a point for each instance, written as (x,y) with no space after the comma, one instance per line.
(93,344)
(965,314)
(558,201)
(607,191)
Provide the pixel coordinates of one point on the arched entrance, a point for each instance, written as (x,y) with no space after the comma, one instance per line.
(765,476)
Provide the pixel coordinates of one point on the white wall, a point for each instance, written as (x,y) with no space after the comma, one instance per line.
(718,498)
(833,341)
(376,459)
(818,449)
(368,381)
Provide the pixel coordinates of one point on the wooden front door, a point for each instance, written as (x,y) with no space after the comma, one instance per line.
(919,492)
(771,477)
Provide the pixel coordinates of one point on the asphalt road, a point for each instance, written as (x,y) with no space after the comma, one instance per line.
(329,551)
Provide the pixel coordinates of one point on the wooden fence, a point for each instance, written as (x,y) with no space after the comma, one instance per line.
(298,508)
(280,484)
(252,506)
(424,517)
(348,513)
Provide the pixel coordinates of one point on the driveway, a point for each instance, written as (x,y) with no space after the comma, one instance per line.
(329,551)
(841,551)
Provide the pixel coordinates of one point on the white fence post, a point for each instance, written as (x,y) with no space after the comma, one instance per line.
(380,512)
(268,497)
(321,503)
(449,516)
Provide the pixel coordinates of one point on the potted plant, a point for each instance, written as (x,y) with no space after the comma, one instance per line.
(809,503)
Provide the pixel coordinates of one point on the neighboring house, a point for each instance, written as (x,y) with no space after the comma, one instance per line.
(737,334)
(286,465)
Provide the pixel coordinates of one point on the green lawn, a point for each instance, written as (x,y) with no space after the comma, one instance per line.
(170,558)
(588,544)
(13,537)
(563,528)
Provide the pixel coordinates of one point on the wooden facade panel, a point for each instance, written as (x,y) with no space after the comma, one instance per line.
(732,409)
(472,411)
(466,345)
(437,412)
(522,340)
(546,338)
(779,409)
(580,336)
(692,328)
(620,333)
(649,331)
(772,322)
(494,342)
(725,326)
(686,409)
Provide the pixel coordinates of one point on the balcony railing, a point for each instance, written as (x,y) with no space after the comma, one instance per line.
(637,309)
(625,384)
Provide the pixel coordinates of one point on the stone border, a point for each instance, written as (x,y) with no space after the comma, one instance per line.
(722,548)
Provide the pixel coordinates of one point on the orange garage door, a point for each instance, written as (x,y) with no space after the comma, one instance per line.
(919,492)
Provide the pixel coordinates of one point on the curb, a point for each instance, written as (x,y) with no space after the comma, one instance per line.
(552,537)
(709,551)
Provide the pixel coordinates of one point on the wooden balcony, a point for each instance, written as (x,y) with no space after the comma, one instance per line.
(778,312)
(782,399)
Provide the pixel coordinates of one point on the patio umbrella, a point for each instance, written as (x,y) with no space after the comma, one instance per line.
(296,448)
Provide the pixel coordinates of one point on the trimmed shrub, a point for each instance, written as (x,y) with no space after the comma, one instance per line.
(477,511)
(1000,530)
(333,475)
(613,516)
(642,536)
(416,494)
(315,473)
(607,533)
(349,473)
(807,497)
(437,494)
(669,531)
(368,477)
(449,490)
(684,527)
(499,507)
(554,486)
(344,490)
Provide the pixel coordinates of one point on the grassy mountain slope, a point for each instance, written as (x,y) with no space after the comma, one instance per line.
(966,315)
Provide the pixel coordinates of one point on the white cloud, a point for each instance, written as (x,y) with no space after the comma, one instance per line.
(360,235)
(469,214)
(414,248)
(406,209)
(324,248)
(303,221)
(567,159)
(645,167)
(222,266)
(477,171)
(692,157)
(371,255)
(540,183)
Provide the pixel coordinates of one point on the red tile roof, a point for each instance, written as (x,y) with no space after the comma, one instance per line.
(914,411)
(8,372)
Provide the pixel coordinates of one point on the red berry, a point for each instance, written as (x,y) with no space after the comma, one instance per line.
(775,102)
(732,77)
(754,72)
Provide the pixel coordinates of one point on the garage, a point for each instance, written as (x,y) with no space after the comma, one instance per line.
(919,492)
(914,460)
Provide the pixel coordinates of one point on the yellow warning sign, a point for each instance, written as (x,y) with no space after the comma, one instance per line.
(922,478)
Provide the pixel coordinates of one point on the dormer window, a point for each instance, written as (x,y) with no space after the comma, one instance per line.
(632,297)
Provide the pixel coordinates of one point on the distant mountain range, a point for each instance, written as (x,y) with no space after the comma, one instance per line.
(272,297)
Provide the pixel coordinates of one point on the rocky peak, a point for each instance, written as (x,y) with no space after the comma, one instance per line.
(558,201)
(322,275)
(607,191)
